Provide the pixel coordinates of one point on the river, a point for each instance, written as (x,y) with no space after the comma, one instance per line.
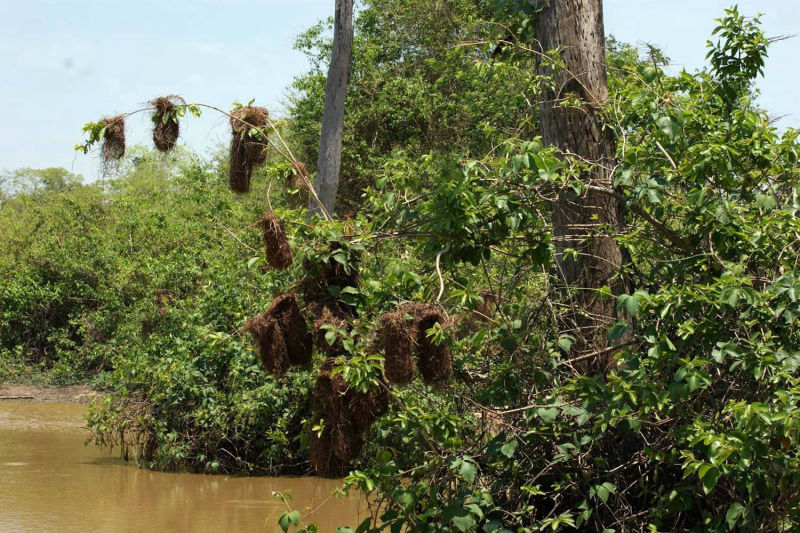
(51,481)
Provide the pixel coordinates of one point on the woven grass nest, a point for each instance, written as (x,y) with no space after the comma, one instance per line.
(166,127)
(281,335)
(114,138)
(278,251)
(246,150)
(345,415)
(403,332)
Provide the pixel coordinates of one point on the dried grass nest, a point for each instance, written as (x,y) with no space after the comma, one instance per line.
(298,179)
(281,335)
(114,138)
(327,316)
(247,150)
(166,127)
(278,251)
(404,331)
(345,415)
(320,277)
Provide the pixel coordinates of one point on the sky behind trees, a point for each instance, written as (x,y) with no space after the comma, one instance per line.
(67,63)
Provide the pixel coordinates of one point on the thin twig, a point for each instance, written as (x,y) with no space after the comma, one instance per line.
(602,352)
(439,271)
(232,234)
(666,154)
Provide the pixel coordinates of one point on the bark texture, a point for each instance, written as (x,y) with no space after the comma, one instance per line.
(326,184)
(583,223)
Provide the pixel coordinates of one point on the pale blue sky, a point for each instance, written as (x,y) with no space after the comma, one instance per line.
(66,62)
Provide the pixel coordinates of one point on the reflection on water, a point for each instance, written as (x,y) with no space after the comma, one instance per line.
(50,481)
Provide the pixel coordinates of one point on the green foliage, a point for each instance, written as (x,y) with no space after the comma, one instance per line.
(695,427)
(415,87)
(140,284)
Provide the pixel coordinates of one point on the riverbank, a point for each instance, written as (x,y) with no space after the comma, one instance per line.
(52,481)
(79,394)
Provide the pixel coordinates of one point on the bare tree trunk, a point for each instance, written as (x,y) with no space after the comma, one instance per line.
(582,223)
(330,145)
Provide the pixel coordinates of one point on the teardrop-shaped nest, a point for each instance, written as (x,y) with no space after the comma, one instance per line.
(114,138)
(247,150)
(278,251)
(281,335)
(165,134)
(166,127)
(404,332)
(397,336)
(330,317)
(333,450)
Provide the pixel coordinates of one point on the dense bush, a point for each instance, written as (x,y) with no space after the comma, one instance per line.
(695,426)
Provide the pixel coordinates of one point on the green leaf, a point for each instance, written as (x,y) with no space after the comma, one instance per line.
(735,511)
(509,448)
(464,522)
(565,342)
(467,471)
(492,526)
(766,202)
(330,337)
(547,414)
(710,479)
(669,127)
(630,303)
(617,330)
(406,500)
(288,519)
(475,510)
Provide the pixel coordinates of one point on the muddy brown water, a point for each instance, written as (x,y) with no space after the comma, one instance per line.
(51,481)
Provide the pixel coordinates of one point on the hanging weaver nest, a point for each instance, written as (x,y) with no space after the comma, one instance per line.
(164,297)
(346,414)
(247,150)
(365,408)
(325,463)
(327,317)
(320,277)
(281,335)
(270,342)
(298,179)
(147,327)
(299,172)
(397,337)
(286,312)
(332,451)
(166,127)
(435,362)
(163,301)
(485,310)
(114,138)
(238,169)
(405,329)
(339,275)
(278,251)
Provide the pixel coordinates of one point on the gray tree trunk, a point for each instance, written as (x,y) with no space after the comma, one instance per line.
(584,222)
(330,146)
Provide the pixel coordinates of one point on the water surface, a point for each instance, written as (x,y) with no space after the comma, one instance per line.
(51,481)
